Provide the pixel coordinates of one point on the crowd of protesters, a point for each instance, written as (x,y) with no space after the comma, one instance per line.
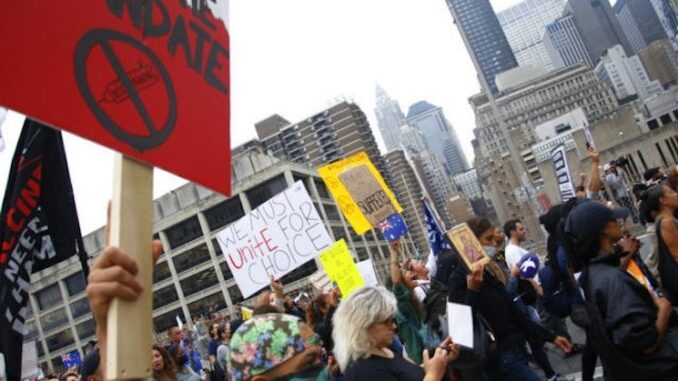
(591,273)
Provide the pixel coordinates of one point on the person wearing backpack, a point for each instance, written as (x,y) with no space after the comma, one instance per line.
(634,329)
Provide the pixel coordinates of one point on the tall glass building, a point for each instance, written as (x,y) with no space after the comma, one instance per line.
(524,25)
(484,38)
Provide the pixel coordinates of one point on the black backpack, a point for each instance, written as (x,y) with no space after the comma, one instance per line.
(435,306)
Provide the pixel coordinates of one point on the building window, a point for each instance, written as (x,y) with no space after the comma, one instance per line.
(31,331)
(191,258)
(235,294)
(163,322)
(184,232)
(48,297)
(202,306)
(224,213)
(200,281)
(54,319)
(642,160)
(322,189)
(161,271)
(75,284)
(661,154)
(60,340)
(225,270)
(332,213)
(164,296)
(85,329)
(79,308)
(300,273)
(263,192)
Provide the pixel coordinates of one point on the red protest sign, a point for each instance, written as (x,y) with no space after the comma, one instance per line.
(148,78)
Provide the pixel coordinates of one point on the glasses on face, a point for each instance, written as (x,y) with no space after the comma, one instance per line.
(390,321)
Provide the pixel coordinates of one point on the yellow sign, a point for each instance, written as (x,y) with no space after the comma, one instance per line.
(246,313)
(349,208)
(341,268)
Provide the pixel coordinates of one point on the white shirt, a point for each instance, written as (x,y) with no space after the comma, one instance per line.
(513,254)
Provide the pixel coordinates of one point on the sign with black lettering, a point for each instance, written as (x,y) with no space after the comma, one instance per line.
(148,78)
(563,178)
(366,191)
(272,240)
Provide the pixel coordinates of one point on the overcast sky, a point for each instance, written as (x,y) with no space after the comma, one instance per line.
(297,57)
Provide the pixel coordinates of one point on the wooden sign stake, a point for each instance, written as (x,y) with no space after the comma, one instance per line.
(130,323)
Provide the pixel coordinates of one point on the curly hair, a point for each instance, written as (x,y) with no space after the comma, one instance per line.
(353,318)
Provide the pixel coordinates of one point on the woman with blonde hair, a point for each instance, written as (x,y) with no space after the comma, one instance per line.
(364,326)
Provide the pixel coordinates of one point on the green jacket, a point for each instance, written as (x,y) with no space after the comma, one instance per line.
(408,324)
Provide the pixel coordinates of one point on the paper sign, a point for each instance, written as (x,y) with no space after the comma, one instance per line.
(149,79)
(366,191)
(341,268)
(321,281)
(274,239)
(460,323)
(349,208)
(367,271)
(246,313)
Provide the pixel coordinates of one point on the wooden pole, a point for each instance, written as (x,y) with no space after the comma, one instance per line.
(128,353)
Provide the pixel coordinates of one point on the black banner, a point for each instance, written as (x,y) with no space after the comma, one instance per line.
(38,228)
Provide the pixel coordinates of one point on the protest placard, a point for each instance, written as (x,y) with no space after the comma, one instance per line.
(367,193)
(348,206)
(321,282)
(468,246)
(366,269)
(277,237)
(341,268)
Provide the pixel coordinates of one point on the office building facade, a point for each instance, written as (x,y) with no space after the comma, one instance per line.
(564,44)
(661,62)
(626,75)
(524,25)
(484,38)
(639,20)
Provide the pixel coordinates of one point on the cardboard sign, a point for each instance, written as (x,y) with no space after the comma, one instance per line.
(340,267)
(468,246)
(149,79)
(349,208)
(277,237)
(367,193)
(321,282)
(366,269)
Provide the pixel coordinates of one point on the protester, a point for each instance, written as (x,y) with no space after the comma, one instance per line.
(663,200)
(164,367)
(277,346)
(634,320)
(183,371)
(616,183)
(364,326)
(70,376)
(421,277)
(319,315)
(220,369)
(484,289)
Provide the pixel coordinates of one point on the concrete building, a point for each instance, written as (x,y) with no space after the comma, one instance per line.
(439,135)
(668,17)
(467,183)
(522,110)
(192,273)
(619,135)
(429,169)
(332,134)
(566,122)
(408,190)
(626,75)
(484,38)
(564,44)
(517,76)
(598,26)
(524,25)
(640,23)
(459,207)
(389,119)
(661,62)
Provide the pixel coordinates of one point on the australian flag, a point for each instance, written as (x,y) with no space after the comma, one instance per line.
(436,236)
(393,227)
(71,359)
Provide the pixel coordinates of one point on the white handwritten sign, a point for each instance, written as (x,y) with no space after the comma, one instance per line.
(277,237)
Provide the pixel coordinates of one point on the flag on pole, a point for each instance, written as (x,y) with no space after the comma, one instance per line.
(38,228)
(436,235)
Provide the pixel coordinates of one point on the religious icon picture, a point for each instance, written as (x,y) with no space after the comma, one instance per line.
(467,245)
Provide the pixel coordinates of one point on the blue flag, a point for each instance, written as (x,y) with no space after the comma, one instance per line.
(436,235)
(393,227)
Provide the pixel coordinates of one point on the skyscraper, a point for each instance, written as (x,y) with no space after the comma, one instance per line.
(484,39)
(564,44)
(524,24)
(598,26)
(389,119)
(640,22)
(626,75)
(439,135)
(667,17)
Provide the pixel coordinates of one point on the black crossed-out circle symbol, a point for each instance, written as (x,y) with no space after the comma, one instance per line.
(102,38)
